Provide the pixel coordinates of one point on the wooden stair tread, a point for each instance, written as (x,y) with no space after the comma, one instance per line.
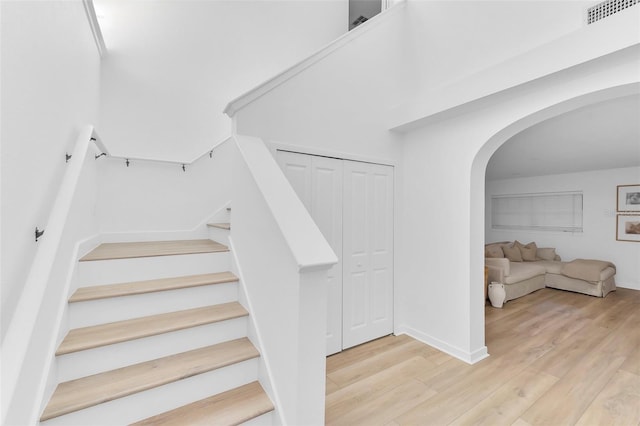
(222,225)
(108,251)
(140,287)
(106,334)
(99,388)
(233,407)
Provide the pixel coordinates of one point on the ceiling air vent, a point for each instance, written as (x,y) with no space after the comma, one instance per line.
(607,8)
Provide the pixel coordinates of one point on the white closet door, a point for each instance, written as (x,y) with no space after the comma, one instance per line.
(318,183)
(367,252)
(297,169)
(326,202)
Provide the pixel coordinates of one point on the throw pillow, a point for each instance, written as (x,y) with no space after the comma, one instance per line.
(512,253)
(546,253)
(493,250)
(528,252)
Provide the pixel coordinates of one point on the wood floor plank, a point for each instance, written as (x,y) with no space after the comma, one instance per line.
(362,352)
(464,394)
(330,387)
(229,408)
(510,400)
(617,404)
(377,363)
(567,400)
(344,400)
(556,356)
(383,408)
(128,250)
(570,352)
(632,363)
(106,334)
(141,287)
(92,390)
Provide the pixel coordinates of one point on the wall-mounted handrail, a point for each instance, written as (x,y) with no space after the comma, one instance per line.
(20,330)
(130,159)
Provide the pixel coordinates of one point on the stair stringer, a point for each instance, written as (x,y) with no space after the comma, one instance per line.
(265,376)
(49,380)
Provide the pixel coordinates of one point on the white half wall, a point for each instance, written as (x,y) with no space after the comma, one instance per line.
(598,239)
(50,87)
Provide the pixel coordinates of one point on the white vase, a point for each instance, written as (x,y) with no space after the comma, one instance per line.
(497,294)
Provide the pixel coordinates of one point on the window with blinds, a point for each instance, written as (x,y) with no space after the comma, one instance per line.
(559,211)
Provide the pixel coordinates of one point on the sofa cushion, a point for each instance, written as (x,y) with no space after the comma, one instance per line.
(523,271)
(546,253)
(493,251)
(528,252)
(512,252)
(551,266)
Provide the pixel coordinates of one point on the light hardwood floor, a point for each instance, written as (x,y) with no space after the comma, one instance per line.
(557,358)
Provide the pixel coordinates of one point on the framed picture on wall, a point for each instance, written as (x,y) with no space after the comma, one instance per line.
(628,227)
(628,198)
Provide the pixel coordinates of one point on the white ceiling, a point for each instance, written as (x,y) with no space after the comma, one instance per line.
(600,136)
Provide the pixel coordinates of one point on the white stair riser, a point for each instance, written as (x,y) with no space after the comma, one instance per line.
(148,268)
(102,311)
(218,234)
(154,401)
(92,361)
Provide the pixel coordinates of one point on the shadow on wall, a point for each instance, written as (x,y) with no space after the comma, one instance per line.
(362,10)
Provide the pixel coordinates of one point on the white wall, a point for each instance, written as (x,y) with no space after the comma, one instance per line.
(339,104)
(50,85)
(456,39)
(598,239)
(151,197)
(173,65)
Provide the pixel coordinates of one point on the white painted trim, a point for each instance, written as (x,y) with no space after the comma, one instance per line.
(245,99)
(468,357)
(21,327)
(48,381)
(95,26)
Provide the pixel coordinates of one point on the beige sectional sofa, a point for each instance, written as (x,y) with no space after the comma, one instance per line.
(524,269)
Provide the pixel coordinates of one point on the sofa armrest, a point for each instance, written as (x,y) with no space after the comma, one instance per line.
(498,268)
(495,275)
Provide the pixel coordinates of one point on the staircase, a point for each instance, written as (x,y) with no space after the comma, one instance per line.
(157,336)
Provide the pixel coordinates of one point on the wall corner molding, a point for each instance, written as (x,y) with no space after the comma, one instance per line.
(95,26)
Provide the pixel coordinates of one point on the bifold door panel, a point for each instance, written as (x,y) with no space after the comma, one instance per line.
(352,204)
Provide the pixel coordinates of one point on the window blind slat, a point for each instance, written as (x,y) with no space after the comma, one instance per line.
(540,212)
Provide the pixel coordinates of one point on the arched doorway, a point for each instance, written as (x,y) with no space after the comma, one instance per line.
(478,171)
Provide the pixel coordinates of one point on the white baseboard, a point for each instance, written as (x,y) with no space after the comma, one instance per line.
(468,357)
(630,286)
